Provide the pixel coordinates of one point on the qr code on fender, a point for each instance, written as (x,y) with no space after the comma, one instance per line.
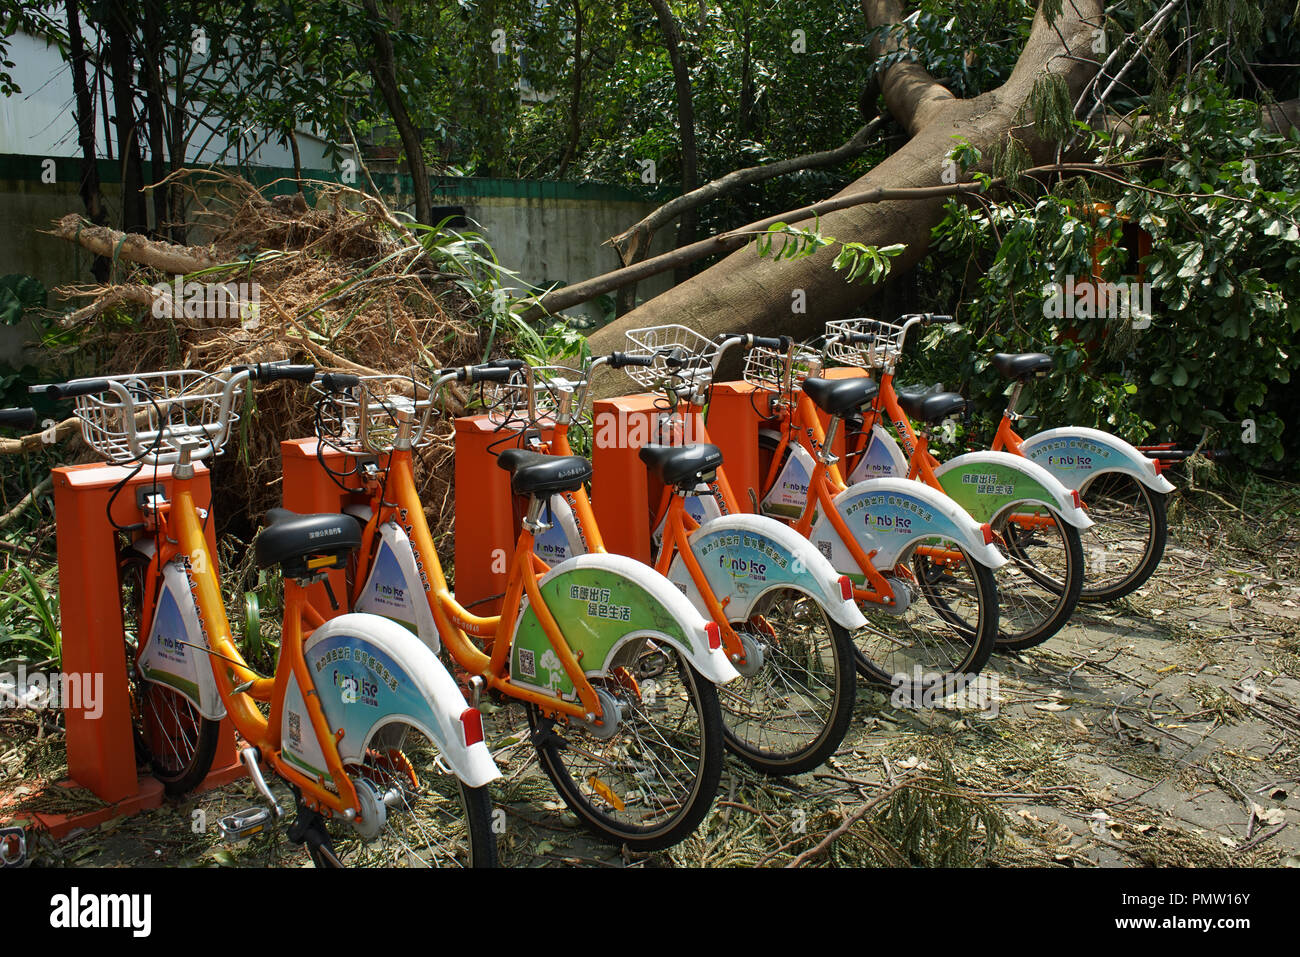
(527,663)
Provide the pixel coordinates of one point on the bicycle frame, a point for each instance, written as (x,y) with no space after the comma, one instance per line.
(177,530)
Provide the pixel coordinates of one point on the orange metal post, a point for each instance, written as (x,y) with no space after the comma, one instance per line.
(734,424)
(620,487)
(308,489)
(486,529)
(101,753)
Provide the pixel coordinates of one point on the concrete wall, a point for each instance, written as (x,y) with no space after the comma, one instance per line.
(545,232)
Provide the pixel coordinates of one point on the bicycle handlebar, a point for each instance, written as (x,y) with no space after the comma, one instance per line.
(276,371)
(71,389)
(619,360)
(18,418)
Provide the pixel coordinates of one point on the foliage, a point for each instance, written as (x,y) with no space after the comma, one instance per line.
(29,615)
(854,260)
(1220,198)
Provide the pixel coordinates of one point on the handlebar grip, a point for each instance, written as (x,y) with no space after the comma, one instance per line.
(70,390)
(274,371)
(618,360)
(771,342)
(18,418)
(512,364)
(488,374)
(933,318)
(862,338)
(338,381)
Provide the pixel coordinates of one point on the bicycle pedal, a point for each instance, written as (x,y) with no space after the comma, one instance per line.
(242,825)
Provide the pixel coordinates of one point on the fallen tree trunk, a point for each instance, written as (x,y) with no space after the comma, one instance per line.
(103,241)
(744,292)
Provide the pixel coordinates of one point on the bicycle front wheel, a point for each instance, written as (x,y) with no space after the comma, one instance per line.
(172,738)
(790,713)
(1039,587)
(415,814)
(649,783)
(940,635)
(1127,539)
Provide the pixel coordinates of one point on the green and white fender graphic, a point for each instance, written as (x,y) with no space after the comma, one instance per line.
(395,588)
(176,653)
(745,556)
(600,602)
(890,516)
(789,493)
(882,459)
(564,538)
(1074,455)
(369,672)
(988,483)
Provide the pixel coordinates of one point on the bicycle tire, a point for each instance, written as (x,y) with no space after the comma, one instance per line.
(940,673)
(807,669)
(436,821)
(171,738)
(611,812)
(1018,631)
(1107,497)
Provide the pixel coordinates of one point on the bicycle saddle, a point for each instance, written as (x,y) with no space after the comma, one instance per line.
(682,465)
(1022,365)
(289,539)
(840,396)
(532,473)
(931,406)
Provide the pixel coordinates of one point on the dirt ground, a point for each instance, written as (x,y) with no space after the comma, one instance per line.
(1160,730)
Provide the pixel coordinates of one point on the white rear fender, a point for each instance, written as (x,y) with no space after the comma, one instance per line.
(370,672)
(986,484)
(890,516)
(1074,455)
(743,557)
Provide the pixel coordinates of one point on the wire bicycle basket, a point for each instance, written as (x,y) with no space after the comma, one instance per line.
(506,403)
(153,417)
(682,357)
(885,346)
(367,417)
(767,368)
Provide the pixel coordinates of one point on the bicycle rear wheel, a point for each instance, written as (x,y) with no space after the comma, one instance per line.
(1039,587)
(649,783)
(172,738)
(943,632)
(419,815)
(1127,541)
(791,713)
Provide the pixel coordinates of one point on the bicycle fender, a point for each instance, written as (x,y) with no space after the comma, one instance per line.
(176,652)
(745,556)
(601,602)
(986,483)
(882,459)
(395,589)
(890,516)
(1075,454)
(369,672)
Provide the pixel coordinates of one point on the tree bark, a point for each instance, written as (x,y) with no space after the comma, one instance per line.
(575,102)
(175,260)
(85,107)
(383,67)
(745,293)
(118,26)
(685,117)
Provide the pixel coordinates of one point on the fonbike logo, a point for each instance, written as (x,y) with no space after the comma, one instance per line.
(1070,461)
(357,690)
(743,568)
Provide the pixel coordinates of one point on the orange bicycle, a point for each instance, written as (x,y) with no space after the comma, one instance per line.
(614,666)
(784,612)
(360,719)
(896,540)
